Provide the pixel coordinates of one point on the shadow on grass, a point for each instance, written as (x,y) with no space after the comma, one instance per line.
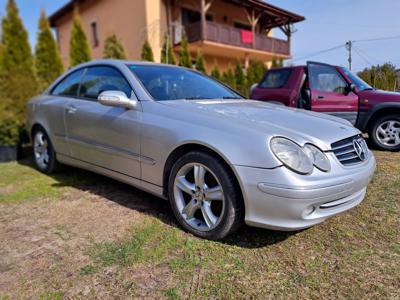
(133,198)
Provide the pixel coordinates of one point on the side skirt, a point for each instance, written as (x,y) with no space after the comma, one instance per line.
(135,182)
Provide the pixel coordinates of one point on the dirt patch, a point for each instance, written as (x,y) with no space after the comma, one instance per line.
(44,243)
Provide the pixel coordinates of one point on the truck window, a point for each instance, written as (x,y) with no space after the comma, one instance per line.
(275,79)
(326,79)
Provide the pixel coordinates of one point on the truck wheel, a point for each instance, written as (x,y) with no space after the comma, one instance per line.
(385,133)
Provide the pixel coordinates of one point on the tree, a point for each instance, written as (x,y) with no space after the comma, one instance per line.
(147,52)
(167,47)
(240,79)
(79,50)
(184,55)
(47,56)
(200,62)
(17,77)
(229,79)
(255,73)
(113,48)
(216,73)
(277,63)
(382,77)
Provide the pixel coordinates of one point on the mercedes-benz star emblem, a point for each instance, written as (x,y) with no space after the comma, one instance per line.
(359,149)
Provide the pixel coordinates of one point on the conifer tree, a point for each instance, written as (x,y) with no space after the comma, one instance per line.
(165,48)
(184,55)
(229,78)
(200,62)
(47,56)
(79,50)
(147,52)
(240,79)
(113,48)
(17,77)
(216,73)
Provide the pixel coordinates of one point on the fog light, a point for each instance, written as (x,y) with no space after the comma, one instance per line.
(309,210)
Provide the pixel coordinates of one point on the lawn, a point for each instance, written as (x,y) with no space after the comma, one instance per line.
(81,235)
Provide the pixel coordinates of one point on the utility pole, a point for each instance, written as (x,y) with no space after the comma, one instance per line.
(349,44)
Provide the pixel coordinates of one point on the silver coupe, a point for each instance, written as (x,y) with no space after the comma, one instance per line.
(220,159)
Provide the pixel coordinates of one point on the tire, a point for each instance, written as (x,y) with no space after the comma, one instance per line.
(385,133)
(216,204)
(43,152)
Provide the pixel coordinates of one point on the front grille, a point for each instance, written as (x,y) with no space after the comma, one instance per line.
(346,151)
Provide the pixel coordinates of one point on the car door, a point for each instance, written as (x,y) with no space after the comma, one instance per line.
(330,92)
(59,96)
(104,136)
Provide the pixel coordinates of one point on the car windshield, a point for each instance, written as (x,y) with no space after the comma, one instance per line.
(173,83)
(360,84)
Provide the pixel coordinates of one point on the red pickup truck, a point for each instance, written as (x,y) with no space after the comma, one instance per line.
(335,90)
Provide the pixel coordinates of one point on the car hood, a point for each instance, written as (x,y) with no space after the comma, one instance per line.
(380,95)
(274,120)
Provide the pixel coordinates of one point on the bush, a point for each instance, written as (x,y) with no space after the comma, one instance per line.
(147,52)
(216,73)
(10,129)
(113,48)
(167,48)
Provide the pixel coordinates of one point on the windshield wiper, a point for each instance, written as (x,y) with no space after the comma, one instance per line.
(231,97)
(197,98)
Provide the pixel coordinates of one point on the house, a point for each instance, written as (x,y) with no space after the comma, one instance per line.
(224,30)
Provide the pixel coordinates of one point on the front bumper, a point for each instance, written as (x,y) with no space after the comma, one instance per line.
(283,200)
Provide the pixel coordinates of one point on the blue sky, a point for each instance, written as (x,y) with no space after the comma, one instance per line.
(329,23)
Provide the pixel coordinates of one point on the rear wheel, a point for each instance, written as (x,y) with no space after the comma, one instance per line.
(204,196)
(43,151)
(385,133)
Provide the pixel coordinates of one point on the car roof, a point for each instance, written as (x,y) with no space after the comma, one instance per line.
(119,62)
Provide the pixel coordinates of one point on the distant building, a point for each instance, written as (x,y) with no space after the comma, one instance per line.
(224,30)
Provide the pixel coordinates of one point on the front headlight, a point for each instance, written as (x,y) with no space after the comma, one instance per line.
(318,157)
(291,155)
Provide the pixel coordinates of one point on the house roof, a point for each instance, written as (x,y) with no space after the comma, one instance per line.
(278,15)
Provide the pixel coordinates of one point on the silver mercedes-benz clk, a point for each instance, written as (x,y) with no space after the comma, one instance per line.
(220,159)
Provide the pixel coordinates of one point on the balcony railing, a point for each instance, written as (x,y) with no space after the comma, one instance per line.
(229,35)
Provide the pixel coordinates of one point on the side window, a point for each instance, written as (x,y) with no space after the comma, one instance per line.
(275,79)
(99,79)
(326,79)
(69,86)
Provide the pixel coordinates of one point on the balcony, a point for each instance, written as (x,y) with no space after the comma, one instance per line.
(231,36)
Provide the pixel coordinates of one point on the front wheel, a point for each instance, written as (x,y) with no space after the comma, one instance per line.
(204,196)
(385,133)
(43,151)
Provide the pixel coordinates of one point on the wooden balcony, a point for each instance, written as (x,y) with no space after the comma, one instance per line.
(231,36)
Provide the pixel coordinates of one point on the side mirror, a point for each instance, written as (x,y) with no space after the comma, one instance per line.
(253,86)
(116,99)
(350,88)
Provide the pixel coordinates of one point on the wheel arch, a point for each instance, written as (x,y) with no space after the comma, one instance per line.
(190,147)
(382,111)
(35,127)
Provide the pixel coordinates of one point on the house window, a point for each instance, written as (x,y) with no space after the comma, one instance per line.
(191,16)
(241,26)
(95,36)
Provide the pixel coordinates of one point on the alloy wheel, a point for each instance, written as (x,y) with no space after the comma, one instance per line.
(41,150)
(388,133)
(199,196)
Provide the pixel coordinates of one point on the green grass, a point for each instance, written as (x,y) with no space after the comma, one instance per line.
(354,255)
(21,182)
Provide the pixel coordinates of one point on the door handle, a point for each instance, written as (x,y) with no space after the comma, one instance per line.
(320,97)
(71,109)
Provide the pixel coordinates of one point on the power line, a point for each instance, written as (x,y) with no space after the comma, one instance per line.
(362,56)
(378,39)
(316,53)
